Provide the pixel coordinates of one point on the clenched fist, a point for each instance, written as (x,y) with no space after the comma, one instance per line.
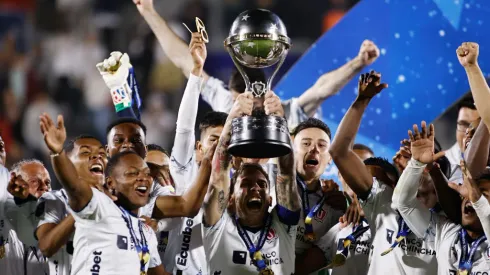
(243,106)
(468,54)
(368,53)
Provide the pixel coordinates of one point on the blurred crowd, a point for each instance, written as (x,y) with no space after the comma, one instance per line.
(49,48)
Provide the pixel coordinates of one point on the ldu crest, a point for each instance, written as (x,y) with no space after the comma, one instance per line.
(258,88)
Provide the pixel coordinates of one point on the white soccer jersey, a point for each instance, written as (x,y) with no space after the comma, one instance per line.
(103,242)
(227,253)
(54,208)
(412,257)
(357,262)
(324,219)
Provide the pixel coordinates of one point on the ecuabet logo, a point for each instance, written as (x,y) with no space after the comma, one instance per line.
(271,235)
(320,215)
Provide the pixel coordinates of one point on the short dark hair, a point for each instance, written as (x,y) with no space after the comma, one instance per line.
(112,162)
(384,164)
(242,168)
(467,102)
(212,119)
(312,123)
(359,146)
(125,120)
(71,144)
(237,83)
(156,147)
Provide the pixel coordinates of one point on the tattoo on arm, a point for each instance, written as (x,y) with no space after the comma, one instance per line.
(287,192)
(221,201)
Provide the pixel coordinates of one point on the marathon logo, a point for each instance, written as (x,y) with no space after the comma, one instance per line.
(271,259)
(359,247)
(96,262)
(186,241)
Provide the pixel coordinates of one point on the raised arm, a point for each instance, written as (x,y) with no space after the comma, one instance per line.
(190,202)
(172,45)
(476,154)
(186,120)
(218,193)
(415,214)
(330,83)
(352,168)
(449,200)
(54,136)
(468,58)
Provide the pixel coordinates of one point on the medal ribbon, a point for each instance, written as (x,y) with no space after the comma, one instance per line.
(466,260)
(309,213)
(254,251)
(403,232)
(357,231)
(140,244)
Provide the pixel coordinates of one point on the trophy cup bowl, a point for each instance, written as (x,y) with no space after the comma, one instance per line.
(258,39)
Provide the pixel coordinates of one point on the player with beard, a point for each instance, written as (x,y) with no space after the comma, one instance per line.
(221,99)
(461,249)
(29,180)
(374,187)
(240,235)
(109,229)
(56,225)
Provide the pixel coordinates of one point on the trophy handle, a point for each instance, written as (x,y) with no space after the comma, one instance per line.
(257,88)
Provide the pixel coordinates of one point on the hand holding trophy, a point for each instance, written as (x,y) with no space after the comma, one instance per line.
(257,40)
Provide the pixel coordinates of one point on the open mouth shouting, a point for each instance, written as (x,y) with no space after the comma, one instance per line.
(96,169)
(468,209)
(254,203)
(311,162)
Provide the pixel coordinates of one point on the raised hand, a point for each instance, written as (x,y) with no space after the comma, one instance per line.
(422,144)
(370,85)
(17,187)
(199,53)
(469,189)
(144,5)
(368,53)
(54,135)
(243,106)
(468,54)
(272,104)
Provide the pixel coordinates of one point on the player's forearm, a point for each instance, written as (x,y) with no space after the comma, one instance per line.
(476,155)
(449,199)
(194,197)
(482,209)
(405,200)
(287,192)
(480,91)
(327,85)
(79,193)
(52,240)
(183,149)
(349,164)
(176,49)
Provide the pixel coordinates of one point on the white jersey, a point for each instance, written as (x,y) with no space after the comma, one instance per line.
(227,253)
(411,257)
(103,242)
(324,219)
(357,262)
(221,100)
(54,208)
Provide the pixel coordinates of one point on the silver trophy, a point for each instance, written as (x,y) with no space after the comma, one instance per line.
(258,40)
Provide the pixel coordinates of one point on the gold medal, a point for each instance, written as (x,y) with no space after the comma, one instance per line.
(310,236)
(266,271)
(2,251)
(463,272)
(347,243)
(387,251)
(338,260)
(257,256)
(143,273)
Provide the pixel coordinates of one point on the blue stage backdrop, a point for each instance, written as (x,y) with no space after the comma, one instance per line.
(418,41)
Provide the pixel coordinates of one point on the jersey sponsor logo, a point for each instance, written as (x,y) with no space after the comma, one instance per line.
(122,242)
(320,215)
(271,235)
(359,247)
(454,272)
(271,258)
(97,259)
(239,257)
(186,240)
(389,235)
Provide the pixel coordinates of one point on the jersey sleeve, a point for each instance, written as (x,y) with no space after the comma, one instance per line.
(216,95)
(50,210)
(153,247)
(23,220)
(212,234)
(482,209)
(99,207)
(294,114)
(328,243)
(379,198)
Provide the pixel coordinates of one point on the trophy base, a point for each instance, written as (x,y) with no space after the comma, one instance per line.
(259,137)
